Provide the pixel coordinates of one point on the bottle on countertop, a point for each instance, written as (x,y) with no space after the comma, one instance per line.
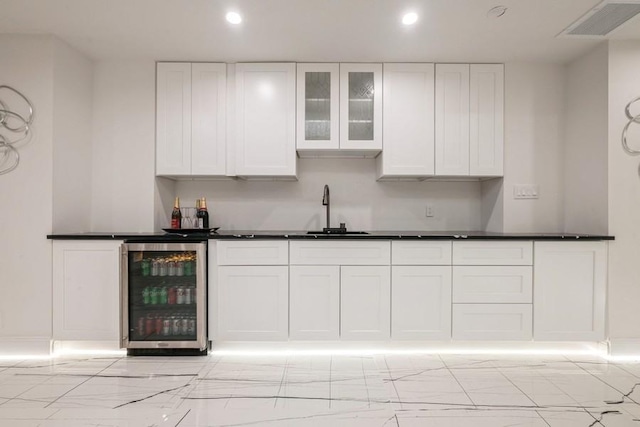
(203,214)
(176,216)
(198,220)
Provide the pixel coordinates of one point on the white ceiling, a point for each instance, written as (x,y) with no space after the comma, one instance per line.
(310,30)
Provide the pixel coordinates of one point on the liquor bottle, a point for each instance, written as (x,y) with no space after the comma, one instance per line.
(176,216)
(203,214)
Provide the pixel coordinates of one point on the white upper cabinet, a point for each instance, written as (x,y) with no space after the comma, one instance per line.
(487,120)
(361,107)
(469,120)
(190,119)
(408,121)
(173,119)
(208,123)
(266,120)
(318,122)
(452,119)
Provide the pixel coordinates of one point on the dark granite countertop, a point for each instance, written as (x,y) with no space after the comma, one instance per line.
(293,235)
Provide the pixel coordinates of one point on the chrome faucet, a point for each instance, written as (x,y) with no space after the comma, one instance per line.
(327,202)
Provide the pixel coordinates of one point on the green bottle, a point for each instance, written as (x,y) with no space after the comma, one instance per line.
(146,296)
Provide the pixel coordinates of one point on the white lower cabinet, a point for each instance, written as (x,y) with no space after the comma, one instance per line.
(421,302)
(492,322)
(492,290)
(253,303)
(314,301)
(377,290)
(569,291)
(86,290)
(492,284)
(365,302)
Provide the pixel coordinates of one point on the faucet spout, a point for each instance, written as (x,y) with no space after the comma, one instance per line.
(326,201)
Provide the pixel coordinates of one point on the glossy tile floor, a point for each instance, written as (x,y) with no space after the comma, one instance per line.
(296,390)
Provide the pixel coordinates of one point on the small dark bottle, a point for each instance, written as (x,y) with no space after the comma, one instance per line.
(176,216)
(203,214)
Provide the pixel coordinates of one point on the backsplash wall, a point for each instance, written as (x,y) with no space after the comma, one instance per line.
(357,199)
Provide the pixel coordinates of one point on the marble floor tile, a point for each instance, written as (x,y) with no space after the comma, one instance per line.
(301,390)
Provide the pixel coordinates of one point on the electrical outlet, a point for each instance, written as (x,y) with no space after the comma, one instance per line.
(526,191)
(429,211)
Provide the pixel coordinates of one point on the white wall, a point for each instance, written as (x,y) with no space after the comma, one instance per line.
(624,201)
(534,114)
(72,121)
(123,146)
(26,197)
(585,158)
(356,199)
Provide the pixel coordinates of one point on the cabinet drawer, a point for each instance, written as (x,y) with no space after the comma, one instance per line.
(421,253)
(255,252)
(499,252)
(492,284)
(492,322)
(349,252)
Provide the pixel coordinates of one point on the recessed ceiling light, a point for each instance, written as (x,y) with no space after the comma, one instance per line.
(234,18)
(410,18)
(496,12)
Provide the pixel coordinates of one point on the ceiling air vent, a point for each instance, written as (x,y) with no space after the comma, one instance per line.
(602,19)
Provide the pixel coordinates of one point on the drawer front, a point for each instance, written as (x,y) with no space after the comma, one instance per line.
(254,252)
(343,252)
(499,252)
(492,284)
(421,253)
(492,322)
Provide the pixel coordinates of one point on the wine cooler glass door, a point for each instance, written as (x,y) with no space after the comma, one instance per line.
(163,296)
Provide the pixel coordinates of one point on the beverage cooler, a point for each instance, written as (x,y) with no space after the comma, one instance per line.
(163,295)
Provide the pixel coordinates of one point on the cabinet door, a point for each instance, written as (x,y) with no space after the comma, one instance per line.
(365,302)
(173,119)
(452,119)
(318,107)
(492,322)
(569,291)
(86,290)
(253,303)
(492,284)
(408,120)
(361,107)
(486,120)
(208,139)
(314,302)
(421,303)
(266,120)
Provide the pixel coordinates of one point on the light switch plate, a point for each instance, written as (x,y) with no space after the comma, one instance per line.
(526,191)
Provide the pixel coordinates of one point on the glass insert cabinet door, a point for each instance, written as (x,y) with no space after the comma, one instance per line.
(163,295)
(361,106)
(318,106)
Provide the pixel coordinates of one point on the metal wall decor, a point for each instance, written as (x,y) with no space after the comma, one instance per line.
(632,119)
(14,128)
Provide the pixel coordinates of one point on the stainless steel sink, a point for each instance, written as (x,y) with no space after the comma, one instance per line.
(337,232)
